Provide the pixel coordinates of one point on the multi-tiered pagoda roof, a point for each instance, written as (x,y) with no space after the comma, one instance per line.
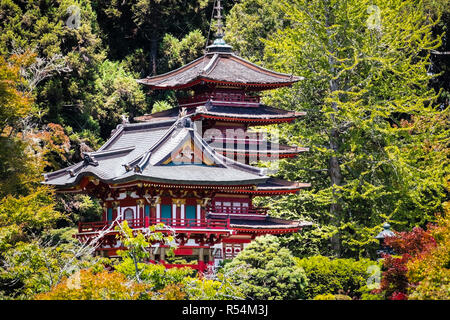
(165,168)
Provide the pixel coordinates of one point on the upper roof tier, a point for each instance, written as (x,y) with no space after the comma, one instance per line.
(220,66)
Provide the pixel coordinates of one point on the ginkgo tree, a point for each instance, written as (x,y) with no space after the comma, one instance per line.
(378,144)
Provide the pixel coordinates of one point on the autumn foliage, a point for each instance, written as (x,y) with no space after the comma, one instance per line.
(429,273)
(88,285)
(421,268)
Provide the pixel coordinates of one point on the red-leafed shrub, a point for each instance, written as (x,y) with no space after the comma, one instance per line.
(407,246)
(399,296)
(413,242)
(429,272)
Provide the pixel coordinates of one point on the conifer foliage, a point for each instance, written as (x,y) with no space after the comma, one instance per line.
(377,138)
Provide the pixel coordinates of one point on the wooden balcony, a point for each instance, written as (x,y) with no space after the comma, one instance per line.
(207,224)
(220,98)
(236,141)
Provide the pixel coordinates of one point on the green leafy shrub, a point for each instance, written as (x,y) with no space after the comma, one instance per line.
(335,276)
(211,289)
(264,270)
(330,296)
(327,296)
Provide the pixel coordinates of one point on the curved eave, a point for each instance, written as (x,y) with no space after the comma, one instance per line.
(266,154)
(203,80)
(139,177)
(192,74)
(270,191)
(142,182)
(182,183)
(266,230)
(272,119)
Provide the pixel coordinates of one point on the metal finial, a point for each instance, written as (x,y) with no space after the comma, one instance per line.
(218,16)
(219,44)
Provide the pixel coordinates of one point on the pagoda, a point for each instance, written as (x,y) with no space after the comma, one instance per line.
(182,167)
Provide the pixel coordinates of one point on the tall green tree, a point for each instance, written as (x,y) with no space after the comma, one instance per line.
(135,29)
(378,148)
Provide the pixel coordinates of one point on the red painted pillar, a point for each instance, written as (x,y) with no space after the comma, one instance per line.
(147,222)
(201,266)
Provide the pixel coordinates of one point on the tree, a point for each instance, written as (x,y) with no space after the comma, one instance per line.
(211,289)
(137,245)
(249,23)
(264,270)
(135,29)
(14,103)
(116,94)
(24,216)
(366,95)
(180,52)
(37,262)
(69,52)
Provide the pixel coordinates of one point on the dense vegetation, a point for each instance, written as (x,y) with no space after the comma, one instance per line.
(376,92)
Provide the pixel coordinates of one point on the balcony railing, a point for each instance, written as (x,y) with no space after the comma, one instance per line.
(144,223)
(233,140)
(229,210)
(225,97)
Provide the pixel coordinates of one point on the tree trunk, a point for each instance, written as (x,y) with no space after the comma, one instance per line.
(153,52)
(336,179)
(333,166)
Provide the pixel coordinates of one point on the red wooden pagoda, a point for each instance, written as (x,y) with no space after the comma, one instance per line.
(179,166)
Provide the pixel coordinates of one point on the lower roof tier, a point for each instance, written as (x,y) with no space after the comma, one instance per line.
(164,153)
(251,115)
(268,152)
(271,186)
(269,225)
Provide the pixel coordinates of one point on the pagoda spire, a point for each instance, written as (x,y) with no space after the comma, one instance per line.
(219,44)
(218,8)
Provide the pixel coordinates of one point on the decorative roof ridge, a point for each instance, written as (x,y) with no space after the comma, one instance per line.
(211,64)
(113,138)
(128,127)
(62,171)
(227,162)
(156,124)
(131,163)
(218,158)
(103,153)
(143,163)
(162,75)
